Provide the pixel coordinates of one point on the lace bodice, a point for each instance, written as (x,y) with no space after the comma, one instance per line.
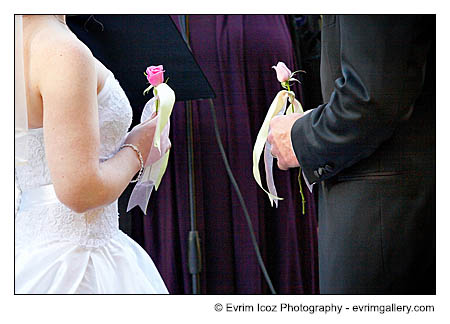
(114,120)
(56,221)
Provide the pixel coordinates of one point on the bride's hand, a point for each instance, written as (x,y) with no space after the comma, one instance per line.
(142,136)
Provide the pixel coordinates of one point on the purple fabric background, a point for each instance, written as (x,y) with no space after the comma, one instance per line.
(236,53)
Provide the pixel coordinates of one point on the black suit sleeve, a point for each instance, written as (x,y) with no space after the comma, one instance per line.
(382,61)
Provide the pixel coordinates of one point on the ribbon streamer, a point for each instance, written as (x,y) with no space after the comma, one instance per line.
(156,162)
(277,107)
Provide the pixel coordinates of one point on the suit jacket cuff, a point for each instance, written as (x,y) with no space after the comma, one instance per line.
(301,149)
(314,167)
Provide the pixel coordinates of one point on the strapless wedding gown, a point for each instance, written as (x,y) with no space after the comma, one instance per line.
(62,252)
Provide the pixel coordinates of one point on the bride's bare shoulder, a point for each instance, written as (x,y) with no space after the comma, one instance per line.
(56,47)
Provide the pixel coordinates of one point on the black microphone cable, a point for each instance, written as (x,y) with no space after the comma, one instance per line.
(241,199)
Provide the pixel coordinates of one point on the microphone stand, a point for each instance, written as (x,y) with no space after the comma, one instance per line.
(194,252)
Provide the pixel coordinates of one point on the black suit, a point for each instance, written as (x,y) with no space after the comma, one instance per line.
(371,149)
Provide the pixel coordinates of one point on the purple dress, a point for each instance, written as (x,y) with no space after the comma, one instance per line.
(236,53)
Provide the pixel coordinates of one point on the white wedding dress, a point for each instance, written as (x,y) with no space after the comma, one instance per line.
(58,251)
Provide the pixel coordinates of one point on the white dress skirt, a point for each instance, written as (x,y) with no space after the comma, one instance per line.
(58,251)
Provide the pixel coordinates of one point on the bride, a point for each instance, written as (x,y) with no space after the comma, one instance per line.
(67,238)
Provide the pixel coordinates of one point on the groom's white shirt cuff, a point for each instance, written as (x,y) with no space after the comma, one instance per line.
(310,186)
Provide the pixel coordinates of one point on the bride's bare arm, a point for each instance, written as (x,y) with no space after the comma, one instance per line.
(68,86)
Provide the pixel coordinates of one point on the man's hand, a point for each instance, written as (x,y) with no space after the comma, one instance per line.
(280,140)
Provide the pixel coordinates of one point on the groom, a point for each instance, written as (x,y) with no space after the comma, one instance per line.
(371,150)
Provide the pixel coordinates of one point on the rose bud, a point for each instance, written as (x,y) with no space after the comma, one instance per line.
(155,75)
(283,73)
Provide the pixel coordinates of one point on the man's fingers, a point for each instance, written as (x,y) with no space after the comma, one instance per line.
(281,165)
(273,154)
(273,121)
(280,160)
(274,151)
(279,139)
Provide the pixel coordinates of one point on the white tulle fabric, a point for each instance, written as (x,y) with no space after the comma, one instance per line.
(60,251)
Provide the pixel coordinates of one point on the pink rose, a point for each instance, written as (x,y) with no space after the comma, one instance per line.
(283,73)
(155,75)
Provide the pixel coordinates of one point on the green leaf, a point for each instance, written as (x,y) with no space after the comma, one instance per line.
(285,85)
(302,71)
(148,89)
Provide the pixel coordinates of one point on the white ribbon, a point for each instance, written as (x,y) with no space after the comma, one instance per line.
(277,107)
(158,157)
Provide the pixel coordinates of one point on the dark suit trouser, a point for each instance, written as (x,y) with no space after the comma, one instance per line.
(388,247)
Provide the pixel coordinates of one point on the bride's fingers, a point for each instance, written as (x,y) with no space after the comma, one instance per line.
(150,120)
